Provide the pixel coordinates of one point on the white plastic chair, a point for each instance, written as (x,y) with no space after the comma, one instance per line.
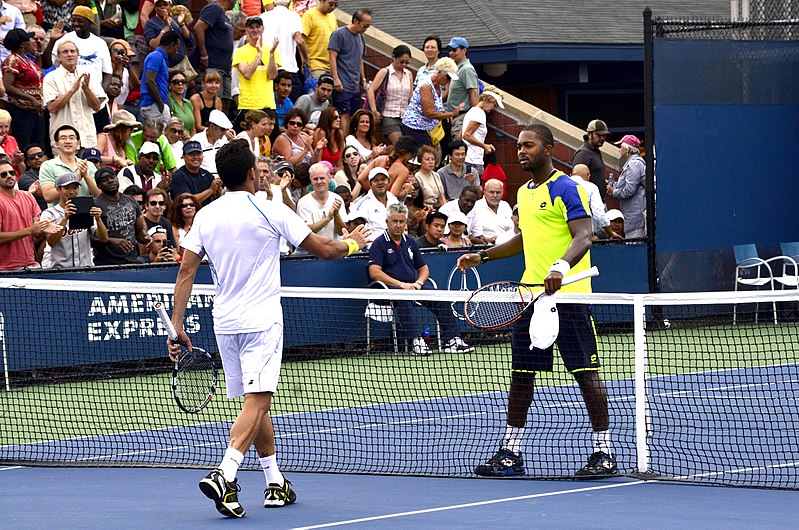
(789,276)
(752,271)
(383,311)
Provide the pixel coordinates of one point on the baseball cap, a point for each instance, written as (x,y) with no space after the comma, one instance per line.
(615,214)
(457,217)
(458,42)
(629,139)
(163,2)
(149,148)
(104,172)
(353,215)
(66,179)
(253,20)
(375,171)
(218,117)
(84,12)
(92,154)
(192,146)
(157,229)
(284,166)
(597,126)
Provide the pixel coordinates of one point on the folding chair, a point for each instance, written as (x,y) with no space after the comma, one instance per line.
(753,271)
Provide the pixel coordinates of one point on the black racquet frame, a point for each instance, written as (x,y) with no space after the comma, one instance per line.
(192,394)
(505,302)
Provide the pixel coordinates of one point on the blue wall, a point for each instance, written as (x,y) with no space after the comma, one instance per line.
(725,124)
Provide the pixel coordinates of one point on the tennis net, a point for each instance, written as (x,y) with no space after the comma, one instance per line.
(692,396)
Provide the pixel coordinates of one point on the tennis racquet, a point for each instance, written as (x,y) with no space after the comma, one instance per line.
(460,281)
(194,375)
(499,304)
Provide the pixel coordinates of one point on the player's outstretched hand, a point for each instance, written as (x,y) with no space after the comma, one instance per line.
(467,261)
(360,235)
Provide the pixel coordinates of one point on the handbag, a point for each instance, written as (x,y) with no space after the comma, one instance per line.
(437,134)
(380,96)
(309,85)
(185,67)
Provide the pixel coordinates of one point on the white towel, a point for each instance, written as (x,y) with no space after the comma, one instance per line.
(544,324)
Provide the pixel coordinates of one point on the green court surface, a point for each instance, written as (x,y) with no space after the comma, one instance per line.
(107,406)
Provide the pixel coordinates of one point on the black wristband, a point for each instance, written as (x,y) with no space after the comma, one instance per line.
(483,256)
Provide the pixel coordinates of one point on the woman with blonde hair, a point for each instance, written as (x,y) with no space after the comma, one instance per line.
(206,100)
(426,108)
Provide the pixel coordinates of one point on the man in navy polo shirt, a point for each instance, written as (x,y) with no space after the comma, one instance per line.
(395,260)
(155,89)
(192,178)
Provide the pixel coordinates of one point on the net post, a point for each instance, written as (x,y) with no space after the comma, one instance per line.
(641,405)
(5,355)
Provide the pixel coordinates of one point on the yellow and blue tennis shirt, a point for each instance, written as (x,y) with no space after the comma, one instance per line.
(544,213)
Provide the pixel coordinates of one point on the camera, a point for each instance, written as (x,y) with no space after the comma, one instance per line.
(168,245)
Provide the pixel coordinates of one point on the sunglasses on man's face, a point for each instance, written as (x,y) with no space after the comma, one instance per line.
(34,156)
(157,203)
(9,173)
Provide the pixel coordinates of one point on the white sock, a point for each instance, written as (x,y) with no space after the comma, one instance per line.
(601,441)
(513,438)
(230,463)
(271,471)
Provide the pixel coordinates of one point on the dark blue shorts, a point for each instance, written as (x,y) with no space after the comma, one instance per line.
(576,342)
(347,102)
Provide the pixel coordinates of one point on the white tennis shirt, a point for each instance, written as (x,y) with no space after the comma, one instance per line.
(240,233)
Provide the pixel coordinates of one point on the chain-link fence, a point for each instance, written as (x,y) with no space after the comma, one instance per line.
(757,20)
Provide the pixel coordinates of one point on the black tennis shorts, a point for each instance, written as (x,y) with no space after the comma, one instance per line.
(576,342)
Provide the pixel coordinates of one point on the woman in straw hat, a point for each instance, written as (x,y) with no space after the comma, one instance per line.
(111,142)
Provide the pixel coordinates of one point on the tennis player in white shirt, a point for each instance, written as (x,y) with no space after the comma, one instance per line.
(240,234)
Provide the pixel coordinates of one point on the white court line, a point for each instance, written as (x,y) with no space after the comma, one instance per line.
(9,468)
(470,505)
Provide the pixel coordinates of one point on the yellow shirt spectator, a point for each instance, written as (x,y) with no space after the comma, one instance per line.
(317,28)
(258,91)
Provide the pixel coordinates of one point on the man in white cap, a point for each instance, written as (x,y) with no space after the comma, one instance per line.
(589,154)
(372,206)
(213,138)
(630,189)
(71,247)
(616,219)
(143,172)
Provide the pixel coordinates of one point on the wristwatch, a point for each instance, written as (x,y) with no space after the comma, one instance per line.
(483,256)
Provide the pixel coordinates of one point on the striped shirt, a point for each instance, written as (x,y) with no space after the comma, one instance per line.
(317,28)
(398,93)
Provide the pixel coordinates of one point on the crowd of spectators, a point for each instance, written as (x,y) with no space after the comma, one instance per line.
(130,103)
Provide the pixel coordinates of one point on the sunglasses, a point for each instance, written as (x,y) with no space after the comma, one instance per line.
(187,205)
(34,156)
(176,131)
(157,203)
(178,81)
(10,173)
(296,123)
(351,154)
(336,117)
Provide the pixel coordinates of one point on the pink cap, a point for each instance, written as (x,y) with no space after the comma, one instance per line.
(629,139)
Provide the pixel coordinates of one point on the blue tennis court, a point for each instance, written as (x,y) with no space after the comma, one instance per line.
(137,497)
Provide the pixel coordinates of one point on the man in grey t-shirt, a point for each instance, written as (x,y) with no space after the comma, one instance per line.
(313,104)
(466,88)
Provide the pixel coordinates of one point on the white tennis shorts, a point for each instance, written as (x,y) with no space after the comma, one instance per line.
(251,360)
